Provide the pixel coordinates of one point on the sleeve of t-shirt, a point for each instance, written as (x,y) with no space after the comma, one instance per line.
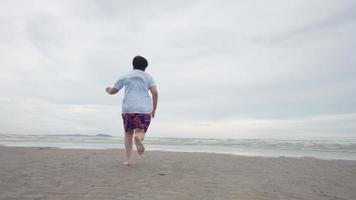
(151,82)
(119,83)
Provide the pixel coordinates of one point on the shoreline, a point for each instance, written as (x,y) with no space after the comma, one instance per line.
(53,173)
(191,151)
(338,149)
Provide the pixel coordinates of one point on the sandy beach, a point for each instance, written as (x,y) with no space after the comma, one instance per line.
(50,173)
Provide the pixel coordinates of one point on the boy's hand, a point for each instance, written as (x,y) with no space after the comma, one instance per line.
(111,90)
(108,89)
(153,113)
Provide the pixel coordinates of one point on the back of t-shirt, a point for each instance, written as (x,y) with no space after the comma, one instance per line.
(136,98)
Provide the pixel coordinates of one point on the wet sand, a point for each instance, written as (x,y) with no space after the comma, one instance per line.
(51,173)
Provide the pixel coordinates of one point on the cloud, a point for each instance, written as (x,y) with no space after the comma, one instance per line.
(314,127)
(37,116)
(213,62)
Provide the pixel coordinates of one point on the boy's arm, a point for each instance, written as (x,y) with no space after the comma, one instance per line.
(154,93)
(111,90)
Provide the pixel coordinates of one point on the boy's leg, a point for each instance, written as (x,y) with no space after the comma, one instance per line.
(128,146)
(139,136)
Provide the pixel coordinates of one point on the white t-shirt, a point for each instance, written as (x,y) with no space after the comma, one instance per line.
(136,98)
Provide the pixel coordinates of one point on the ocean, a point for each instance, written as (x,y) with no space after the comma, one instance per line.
(321,148)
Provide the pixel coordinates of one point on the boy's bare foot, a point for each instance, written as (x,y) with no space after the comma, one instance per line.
(127,163)
(139,146)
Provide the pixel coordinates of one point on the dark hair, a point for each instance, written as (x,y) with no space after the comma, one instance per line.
(139,62)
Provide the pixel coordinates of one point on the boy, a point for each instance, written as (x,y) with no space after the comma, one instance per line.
(137,106)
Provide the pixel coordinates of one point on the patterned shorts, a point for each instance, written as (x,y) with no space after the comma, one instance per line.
(136,120)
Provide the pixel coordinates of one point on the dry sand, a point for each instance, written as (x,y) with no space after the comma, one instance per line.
(50,173)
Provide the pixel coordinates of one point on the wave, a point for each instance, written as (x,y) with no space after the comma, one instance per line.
(103,135)
(70,135)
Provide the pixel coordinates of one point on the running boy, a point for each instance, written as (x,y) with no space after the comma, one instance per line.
(137,108)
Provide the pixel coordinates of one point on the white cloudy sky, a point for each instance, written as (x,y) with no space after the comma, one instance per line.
(243,69)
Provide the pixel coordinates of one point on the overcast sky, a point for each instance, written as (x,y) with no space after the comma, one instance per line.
(241,69)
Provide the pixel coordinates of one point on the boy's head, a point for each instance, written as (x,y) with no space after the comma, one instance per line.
(139,62)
